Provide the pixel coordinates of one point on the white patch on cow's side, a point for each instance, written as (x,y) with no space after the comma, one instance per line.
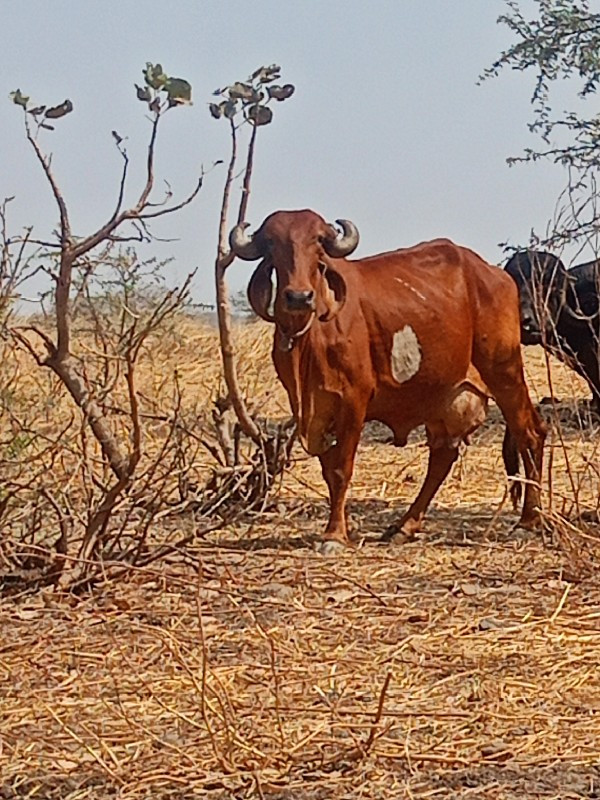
(406,354)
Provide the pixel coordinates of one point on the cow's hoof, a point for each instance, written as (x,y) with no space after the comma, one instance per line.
(389,533)
(399,534)
(539,526)
(398,537)
(533,523)
(330,547)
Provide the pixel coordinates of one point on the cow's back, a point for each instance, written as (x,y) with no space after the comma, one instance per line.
(453,301)
(426,313)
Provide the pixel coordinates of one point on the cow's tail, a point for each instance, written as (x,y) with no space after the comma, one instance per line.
(510,456)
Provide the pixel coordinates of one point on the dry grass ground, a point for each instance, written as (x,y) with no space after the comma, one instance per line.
(464,665)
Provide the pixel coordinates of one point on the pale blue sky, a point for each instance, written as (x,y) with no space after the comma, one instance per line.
(387,126)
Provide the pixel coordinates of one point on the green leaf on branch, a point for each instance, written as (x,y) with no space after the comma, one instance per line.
(59,111)
(179,91)
(143,93)
(154,75)
(266,74)
(19,99)
(259,115)
(243,92)
(281,92)
(229,108)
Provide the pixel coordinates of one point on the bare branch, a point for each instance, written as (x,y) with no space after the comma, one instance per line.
(225,256)
(121,185)
(65,370)
(171,209)
(65,225)
(149,164)
(136,212)
(24,341)
(135,416)
(41,242)
(247,177)
(224,259)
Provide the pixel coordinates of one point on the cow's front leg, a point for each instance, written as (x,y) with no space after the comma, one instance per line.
(337,464)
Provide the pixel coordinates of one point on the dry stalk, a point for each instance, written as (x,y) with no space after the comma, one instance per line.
(273,662)
(222,760)
(372,733)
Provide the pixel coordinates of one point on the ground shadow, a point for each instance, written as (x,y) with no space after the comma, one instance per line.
(298,525)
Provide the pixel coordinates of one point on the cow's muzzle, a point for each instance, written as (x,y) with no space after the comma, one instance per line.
(531,334)
(531,337)
(299,301)
(530,329)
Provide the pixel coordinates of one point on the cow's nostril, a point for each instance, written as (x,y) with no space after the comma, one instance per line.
(299,300)
(528,323)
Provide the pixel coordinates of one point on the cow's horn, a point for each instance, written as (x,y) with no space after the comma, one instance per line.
(345,243)
(244,246)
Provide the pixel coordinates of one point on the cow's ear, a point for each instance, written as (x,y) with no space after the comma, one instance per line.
(260,290)
(333,294)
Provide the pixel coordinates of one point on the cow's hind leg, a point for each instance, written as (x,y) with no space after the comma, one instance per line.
(588,366)
(441,459)
(507,384)
(510,456)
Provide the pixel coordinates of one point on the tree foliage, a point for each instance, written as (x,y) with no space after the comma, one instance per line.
(561,45)
(562,42)
(252,96)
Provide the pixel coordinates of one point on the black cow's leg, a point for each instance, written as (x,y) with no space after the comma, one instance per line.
(589,369)
(595,400)
(337,465)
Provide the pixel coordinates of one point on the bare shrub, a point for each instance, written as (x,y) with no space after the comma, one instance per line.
(91,338)
(109,456)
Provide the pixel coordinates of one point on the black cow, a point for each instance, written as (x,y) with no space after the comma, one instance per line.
(559,310)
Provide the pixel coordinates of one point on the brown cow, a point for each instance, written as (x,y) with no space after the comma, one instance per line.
(410,337)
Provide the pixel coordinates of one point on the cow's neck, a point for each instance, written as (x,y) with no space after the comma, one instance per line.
(310,386)
(288,336)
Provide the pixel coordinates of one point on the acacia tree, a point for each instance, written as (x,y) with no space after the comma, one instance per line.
(561,43)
